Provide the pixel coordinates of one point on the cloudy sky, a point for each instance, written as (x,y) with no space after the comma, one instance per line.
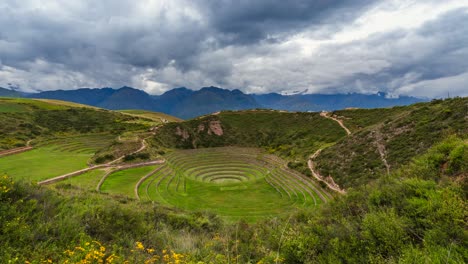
(326,46)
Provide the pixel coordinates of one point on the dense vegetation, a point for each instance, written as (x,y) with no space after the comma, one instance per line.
(401,133)
(417,214)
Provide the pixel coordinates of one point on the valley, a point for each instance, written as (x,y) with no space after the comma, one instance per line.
(233,132)
(266,170)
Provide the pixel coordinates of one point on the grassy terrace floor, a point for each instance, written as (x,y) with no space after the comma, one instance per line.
(233,182)
(53,158)
(236,183)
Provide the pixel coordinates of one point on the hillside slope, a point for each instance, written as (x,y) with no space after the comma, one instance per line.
(385,139)
(382,139)
(22,120)
(205,101)
(9,93)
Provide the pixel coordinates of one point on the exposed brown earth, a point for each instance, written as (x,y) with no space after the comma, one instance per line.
(16,150)
(329,179)
(143,146)
(109,165)
(327,115)
(182,132)
(112,168)
(379,142)
(215,128)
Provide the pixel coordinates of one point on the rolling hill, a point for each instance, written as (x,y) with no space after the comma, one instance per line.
(22,120)
(383,140)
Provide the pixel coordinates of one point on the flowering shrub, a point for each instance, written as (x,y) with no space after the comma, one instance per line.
(89,253)
(6,186)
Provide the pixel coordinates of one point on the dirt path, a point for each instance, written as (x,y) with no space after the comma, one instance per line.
(379,142)
(106,165)
(71,174)
(17,150)
(112,168)
(328,180)
(340,122)
(143,146)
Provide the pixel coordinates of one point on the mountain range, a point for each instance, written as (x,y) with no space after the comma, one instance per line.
(186,103)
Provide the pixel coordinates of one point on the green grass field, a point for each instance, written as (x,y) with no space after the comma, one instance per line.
(53,158)
(232,182)
(124,181)
(85,181)
(236,183)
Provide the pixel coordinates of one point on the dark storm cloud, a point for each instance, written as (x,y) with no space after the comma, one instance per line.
(36,33)
(436,50)
(74,41)
(247,22)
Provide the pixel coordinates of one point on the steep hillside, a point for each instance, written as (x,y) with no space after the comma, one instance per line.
(128,98)
(169,101)
(123,98)
(385,139)
(9,93)
(209,100)
(330,102)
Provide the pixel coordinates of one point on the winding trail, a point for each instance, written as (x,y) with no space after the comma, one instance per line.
(106,165)
(111,167)
(340,122)
(379,143)
(143,146)
(327,180)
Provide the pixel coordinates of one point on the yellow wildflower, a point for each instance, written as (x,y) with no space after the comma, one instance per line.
(139,246)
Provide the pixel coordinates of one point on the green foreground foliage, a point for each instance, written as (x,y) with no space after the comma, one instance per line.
(414,215)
